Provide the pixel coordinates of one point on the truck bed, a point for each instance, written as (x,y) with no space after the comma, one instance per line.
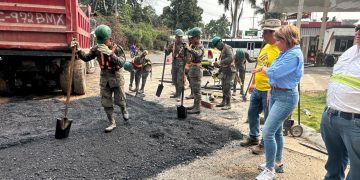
(42,25)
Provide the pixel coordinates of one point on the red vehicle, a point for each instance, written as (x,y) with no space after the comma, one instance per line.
(34,43)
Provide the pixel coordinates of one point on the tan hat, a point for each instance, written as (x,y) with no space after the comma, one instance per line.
(271,24)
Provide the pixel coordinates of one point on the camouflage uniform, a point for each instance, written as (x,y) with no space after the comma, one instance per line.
(240,63)
(228,70)
(195,74)
(132,71)
(142,68)
(177,65)
(111,79)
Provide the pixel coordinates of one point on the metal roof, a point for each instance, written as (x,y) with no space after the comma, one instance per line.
(314,5)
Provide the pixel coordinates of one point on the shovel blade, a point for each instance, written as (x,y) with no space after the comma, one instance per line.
(62,128)
(244,98)
(159,90)
(181,112)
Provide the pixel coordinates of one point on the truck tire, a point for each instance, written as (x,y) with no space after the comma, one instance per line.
(79,79)
(4,87)
(5,79)
(90,67)
(64,76)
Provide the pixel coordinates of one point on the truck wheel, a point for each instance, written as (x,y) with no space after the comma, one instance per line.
(4,87)
(79,79)
(64,76)
(90,67)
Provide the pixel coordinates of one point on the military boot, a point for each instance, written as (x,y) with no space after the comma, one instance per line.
(196,109)
(112,124)
(125,113)
(222,104)
(242,89)
(227,105)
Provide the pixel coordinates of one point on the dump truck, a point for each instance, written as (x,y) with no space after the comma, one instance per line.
(34,44)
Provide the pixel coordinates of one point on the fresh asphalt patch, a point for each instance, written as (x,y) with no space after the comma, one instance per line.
(153,140)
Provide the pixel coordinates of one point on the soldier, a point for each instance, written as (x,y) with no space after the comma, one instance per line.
(111,76)
(187,68)
(240,62)
(195,72)
(227,71)
(142,68)
(132,71)
(177,62)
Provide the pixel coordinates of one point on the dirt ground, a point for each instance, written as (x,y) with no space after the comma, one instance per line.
(153,145)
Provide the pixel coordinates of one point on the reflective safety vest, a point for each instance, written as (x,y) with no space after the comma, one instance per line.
(347,80)
(105,63)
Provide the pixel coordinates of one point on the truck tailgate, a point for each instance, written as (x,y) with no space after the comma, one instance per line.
(42,24)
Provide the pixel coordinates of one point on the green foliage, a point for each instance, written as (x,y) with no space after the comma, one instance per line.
(269,15)
(315,103)
(135,24)
(220,27)
(183,14)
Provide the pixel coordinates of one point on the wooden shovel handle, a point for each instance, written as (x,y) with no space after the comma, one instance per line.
(69,79)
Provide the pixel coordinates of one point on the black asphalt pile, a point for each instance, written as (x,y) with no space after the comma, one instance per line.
(152,141)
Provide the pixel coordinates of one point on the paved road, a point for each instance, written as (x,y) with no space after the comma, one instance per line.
(202,147)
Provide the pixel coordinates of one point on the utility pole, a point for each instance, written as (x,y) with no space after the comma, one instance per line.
(253,23)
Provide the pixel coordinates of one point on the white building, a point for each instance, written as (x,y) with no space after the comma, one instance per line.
(342,39)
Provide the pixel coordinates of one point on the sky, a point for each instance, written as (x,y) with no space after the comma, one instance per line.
(212,10)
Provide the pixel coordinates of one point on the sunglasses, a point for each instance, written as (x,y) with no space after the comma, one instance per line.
(357,28)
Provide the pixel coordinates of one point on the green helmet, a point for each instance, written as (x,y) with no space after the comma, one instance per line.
(127,66)
(239,54)
(179,32)
(188,33)
(195,32)
(215,41)
(102,33)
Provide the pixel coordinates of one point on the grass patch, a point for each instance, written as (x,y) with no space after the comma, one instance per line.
(315,103)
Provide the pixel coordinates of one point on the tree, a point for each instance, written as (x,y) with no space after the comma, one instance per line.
(183,14)
(267,15)
(220,27)
(236,8)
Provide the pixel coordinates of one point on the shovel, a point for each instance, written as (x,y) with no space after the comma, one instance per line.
(247,89)
(161,86)
(63,125)
(181,110)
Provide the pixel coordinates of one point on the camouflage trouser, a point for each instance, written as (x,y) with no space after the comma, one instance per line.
(177,72)
(227,77)
(112,84)
(144,76)
(240,71)
(132,77)
(173,71)
(195,74)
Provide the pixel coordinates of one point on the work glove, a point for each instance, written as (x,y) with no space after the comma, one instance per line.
(216,64)
(186,46)
(74,43)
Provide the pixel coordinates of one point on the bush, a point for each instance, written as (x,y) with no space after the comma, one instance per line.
(142,34)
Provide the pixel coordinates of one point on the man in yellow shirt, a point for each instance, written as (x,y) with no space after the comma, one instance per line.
(260,86)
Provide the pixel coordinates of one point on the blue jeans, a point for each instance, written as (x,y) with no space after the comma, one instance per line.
(258,104)
(282,104)
(342,140)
